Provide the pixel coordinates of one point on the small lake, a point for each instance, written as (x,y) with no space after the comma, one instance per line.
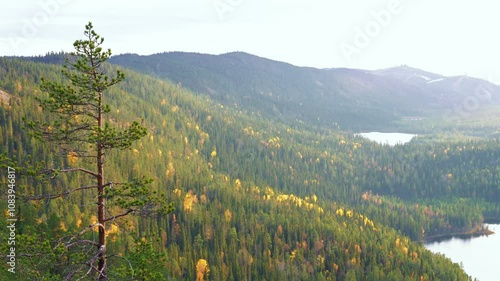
(479,255)
(388,138)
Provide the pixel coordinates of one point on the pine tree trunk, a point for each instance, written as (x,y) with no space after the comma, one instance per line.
(100,201)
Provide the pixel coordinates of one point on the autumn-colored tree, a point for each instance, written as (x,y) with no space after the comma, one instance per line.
(202,270)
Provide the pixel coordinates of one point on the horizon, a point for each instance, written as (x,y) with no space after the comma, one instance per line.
(233,52)
(377,35)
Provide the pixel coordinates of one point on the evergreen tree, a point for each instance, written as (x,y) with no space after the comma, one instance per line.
(78,124)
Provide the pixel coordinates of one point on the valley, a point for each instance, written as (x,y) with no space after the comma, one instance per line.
(260,161)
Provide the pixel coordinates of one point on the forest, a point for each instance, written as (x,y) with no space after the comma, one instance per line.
(255,197)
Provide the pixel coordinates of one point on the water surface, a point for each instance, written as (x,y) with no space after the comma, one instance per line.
(480,256)
(388,138)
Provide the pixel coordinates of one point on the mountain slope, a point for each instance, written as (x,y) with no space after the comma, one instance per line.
(250,221)
(350,98)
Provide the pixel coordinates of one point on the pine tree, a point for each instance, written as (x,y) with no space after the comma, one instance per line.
(78,124)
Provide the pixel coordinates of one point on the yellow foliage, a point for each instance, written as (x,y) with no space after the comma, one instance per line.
(79,222)
(93,220)
(213,154)
(177,192)
(228,215)
(170,170)
(189,201)
(357,248)
(63,226)
(237,184)
(202,270)
(320,260)
(274,142)
(349,214)
(255,189)
(72,157)
(398,242)
(112,231)
(340,212)
(269,191)
(405,250)
(250,132)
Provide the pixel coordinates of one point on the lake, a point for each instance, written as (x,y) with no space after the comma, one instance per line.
(388,138)
(479,255)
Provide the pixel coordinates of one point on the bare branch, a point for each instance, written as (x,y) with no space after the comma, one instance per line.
(81,242)
(90,263)
(119,216)
(90,227)
(54,196)
(76,170)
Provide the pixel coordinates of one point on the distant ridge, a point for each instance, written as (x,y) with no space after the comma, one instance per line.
(340,98)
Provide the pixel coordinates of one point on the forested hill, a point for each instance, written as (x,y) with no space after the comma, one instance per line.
(256,198)
(346,98)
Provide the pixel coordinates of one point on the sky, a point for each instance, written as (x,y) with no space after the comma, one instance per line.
(445,37)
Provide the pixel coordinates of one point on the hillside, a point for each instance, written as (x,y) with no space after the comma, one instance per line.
(257,196)
(349,99)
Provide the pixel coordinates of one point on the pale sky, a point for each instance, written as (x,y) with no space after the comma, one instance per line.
(445,37)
